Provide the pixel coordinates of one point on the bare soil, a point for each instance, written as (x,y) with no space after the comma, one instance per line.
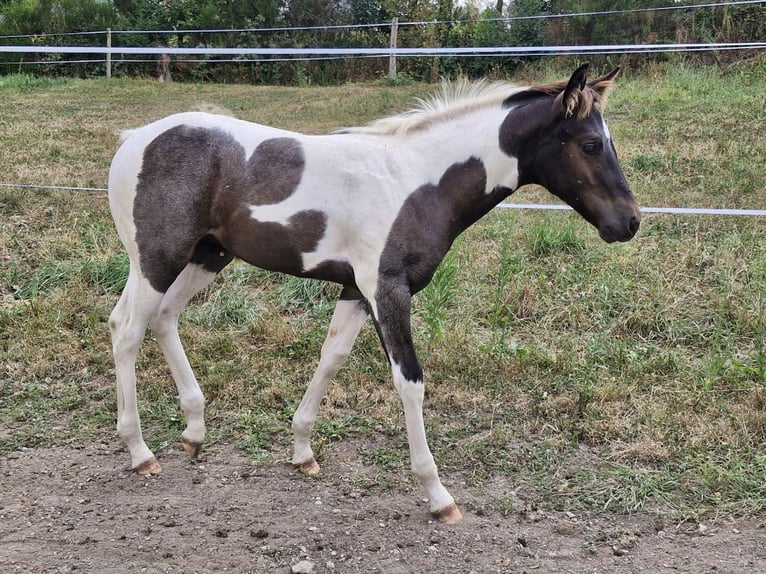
(83,510)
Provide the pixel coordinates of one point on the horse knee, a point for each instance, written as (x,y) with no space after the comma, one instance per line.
(163,323)
(125,344)
(333,357)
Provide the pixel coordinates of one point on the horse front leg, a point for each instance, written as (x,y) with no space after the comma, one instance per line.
(347,320)
(393,324)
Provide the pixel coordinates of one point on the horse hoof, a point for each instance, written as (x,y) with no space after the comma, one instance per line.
(192,448)
(148,467)
(448,515)
(310,466)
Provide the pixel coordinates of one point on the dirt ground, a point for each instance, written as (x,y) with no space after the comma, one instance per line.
(68,510)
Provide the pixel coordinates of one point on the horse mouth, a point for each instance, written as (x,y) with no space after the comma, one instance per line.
(620,233)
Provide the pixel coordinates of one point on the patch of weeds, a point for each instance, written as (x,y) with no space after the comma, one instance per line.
(547,238)
(259,432)
(48,276)
(436,298)
(108,275)
(12,201)
(25,83)
(485,451)
(388,457)
(377,483)
(500,315)
(616,488)
(96,232)
(227,306)
(241,274)
(755,367)
(161,415)
(724,482)
(507,506)
(400,79)
(339,428)
(336,429)
(646,162)
(38,413)
(298,294)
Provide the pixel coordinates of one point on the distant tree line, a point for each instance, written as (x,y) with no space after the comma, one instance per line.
(456,24)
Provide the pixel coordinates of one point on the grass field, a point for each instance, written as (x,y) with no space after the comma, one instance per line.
(601,377)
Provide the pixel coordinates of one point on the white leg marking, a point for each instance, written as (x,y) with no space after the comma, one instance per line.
(423,465)
(165,328)
(347,321)
(127,323)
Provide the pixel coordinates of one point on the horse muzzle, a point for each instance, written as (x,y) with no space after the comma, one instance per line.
(623,229)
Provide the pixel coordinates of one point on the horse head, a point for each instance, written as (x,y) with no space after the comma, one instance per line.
(562,143)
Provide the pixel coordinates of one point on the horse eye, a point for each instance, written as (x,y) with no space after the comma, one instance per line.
(590,148)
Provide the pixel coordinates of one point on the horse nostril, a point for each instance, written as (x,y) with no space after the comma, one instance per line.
(634,224)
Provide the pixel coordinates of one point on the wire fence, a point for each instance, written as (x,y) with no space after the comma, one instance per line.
(519,206)
(244,54)
(397,51)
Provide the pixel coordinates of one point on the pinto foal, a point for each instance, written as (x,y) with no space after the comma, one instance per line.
(374,209)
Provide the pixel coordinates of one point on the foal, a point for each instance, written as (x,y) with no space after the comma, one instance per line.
(374,209)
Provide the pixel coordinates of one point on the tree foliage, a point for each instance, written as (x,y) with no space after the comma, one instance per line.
(430,23)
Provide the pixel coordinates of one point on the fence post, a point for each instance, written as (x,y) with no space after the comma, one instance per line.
(108,52)
(392,56)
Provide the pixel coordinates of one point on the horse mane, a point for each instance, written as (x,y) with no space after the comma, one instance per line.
(461,97)
(593,95)
(453,100)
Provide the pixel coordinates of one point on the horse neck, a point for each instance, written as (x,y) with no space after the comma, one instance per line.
(474,135)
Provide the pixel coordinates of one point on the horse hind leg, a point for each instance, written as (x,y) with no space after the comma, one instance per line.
(127,324)
(209,259)
(347,321)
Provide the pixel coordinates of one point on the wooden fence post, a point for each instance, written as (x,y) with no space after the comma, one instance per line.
(108,53)
(392,56)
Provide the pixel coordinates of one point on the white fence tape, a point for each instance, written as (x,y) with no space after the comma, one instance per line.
(672,210)
(474,50)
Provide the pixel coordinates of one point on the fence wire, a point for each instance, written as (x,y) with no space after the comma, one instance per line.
(519,206)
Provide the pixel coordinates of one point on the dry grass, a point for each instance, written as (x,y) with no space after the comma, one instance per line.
(629,376)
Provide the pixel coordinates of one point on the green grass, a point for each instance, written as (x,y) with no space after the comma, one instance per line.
(602,377)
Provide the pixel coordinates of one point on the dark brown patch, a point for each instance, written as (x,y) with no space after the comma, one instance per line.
(427,224)
(271,245)
(273,171)
(430,220)
(193,203)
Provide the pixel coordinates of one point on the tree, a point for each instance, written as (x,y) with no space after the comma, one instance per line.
(55,16)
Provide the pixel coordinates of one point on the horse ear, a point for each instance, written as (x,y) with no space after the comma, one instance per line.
(602,85)
(575,85)
(607,78)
